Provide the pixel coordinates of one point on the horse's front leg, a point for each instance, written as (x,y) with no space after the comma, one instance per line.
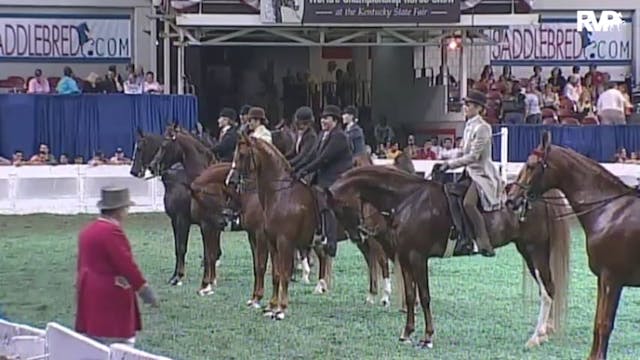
(410,296)
(211,244)
(181,227)
(419,266)
(323,271)
(285,252)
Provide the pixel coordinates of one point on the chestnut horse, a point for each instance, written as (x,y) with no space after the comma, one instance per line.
(609,212)
(180,146)
(417,211)
(177,204)
(290,215)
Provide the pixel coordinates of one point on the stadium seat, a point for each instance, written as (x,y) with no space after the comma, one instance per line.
(549,121)
(564,113)
(125,352)
(494,95)
(65,344)
(590,120)
(569,121)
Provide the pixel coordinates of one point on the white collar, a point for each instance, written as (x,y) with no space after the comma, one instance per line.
(109,220)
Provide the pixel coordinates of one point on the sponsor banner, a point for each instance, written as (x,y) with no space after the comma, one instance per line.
(359,12)
(65,38)
(560,44)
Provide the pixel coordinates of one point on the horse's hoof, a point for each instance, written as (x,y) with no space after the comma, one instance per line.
(535,341)
(279,315)
(321,287)
(385,302)
(406,341)
(371,299)
(268,313)
(175,281)
(254,304)
(305,280)
(208,290)
(425,344)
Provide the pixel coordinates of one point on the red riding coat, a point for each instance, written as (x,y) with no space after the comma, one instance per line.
(106,305)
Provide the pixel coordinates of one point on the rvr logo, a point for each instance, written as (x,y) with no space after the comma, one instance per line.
(608,19)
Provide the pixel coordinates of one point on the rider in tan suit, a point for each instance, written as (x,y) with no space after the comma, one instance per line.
(485,178)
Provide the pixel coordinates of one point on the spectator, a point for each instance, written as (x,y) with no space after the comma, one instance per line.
(67,84)
(506,76)
(628,108)
(536,78)
(621,156)
(97,159)
(572,90)
(18,158)
(427,153)
(550,98)
(64,159)
(533,100)
(38,84)
(411,150)
(119,158)
(132,86)
(92,85)
(585,105)
(589,87)
(513,105)
(557,80)
(43,157)
(633,158)
(611,106)
(393,150)
(598,77)
(113,81)
(383,132)
(151,86)
(435,142)
(448,152)
(78,160)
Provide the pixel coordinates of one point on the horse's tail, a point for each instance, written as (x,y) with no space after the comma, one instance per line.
(560,251)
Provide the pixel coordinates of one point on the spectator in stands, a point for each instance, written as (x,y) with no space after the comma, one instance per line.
(151,86)
(611,106)
(17,158)
(557,80)
(383,132)
(108,278)
(67,84)
(64,159)
(507,75)
(427,153)
(572,90)
(585,104)
(113,81)
(628,106)
(598,77)
(92,85)
(97,159)
(550,98)
(38,84)
(132,86)
(448,152)
(78,160)
(513,104)
(392,151)
(589,87)
(435,142)
(621,156)
(227,137)
(575,70)
(43,157)
(119,158)
(411,150)
(533,100)
(536,78)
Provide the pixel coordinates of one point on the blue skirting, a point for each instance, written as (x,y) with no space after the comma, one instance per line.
(599,142)
(81,124)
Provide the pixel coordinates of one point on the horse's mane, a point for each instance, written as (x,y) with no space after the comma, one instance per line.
(404,162)
(394,179)
(587,163)
(215,173)
(273,151)
(200,147)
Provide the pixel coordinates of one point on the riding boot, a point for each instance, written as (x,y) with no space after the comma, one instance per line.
(480,228)
(329,232)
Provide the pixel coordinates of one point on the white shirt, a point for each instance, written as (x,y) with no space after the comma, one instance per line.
(261,132)
(611,99)
(533,103)
(572,92)
(446,154)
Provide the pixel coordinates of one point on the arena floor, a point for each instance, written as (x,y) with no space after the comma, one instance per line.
(478,305)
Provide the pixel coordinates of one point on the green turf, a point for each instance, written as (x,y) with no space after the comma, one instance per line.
(477,303)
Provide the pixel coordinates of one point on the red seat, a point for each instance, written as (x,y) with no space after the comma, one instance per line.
(564,113)
(549,121)
(590,120)
(494,95)
(570,121)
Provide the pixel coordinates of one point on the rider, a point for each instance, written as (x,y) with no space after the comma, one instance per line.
(332,158)
(228,135)
(244,118)
(257,122)
(353,130)
(307,137)
(476,158)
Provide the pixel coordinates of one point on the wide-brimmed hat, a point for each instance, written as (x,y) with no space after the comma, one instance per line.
(257,113)
(332,110)
(228,113)
(304,114)
(112,198)
(476,97)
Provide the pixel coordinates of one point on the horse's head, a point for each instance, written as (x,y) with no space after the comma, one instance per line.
(244,160)
(146,147)
(535,177)
(167,153)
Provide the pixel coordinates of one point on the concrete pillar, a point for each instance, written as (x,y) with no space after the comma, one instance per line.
(180,56)
(445,73)
(166,54)
(636,45)
(464,66)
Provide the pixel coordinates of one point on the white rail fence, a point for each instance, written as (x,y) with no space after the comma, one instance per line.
(75,189)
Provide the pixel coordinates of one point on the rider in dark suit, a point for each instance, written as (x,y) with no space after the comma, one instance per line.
(228,135)
(353,130)
(331,159)
(306,142)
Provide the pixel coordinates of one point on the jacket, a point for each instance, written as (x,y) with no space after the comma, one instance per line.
(261,132)
(356,139)
(227,145)
(476,157)
(105,308)
(305,148)
(332,158)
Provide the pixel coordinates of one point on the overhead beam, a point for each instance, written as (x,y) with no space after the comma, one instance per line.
(289,36)
(344,39)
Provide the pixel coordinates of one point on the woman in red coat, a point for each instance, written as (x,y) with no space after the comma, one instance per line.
(108,278)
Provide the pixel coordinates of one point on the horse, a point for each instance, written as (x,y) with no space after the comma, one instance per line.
(417,213)
(211,183)
(180,146)
(177,205)
(608,211)
(284,139)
